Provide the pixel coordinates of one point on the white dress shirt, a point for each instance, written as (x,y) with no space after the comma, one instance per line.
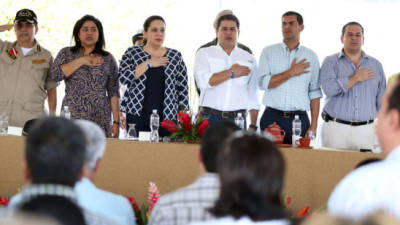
(368,189)
(232,94)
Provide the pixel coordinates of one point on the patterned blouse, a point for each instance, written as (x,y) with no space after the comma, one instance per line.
(176,82)
(89,89)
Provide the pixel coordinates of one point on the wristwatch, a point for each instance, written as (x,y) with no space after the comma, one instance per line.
(117,122)
(233,74)
(253,127)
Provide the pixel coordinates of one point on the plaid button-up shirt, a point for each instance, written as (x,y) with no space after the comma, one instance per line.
(188,204)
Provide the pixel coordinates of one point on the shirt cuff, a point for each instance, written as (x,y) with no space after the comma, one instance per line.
(317,93)
(264,82)
(342,83)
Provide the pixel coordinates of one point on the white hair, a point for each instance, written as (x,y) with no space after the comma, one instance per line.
(95,142)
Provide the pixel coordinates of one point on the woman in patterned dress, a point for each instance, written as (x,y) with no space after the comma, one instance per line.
(91,76)
(156,78)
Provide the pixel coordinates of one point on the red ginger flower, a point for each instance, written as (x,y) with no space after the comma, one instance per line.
(288,201)
(303,212)
(202,128)
(134,204)
(185,120)
(4,201)
(169,126)
(154,195)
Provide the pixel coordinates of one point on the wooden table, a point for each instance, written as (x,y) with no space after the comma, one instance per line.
(128,167)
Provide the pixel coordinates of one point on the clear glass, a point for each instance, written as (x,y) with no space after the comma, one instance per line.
(131,134)
(311,135)
(3,124)
(154,125)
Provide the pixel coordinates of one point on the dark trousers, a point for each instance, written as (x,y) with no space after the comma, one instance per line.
(213,118)
(285,122)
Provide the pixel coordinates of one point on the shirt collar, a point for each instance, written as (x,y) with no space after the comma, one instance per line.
(286,48)
(341,54)
(394,154)
(221,49)
(35,190)
(36,47)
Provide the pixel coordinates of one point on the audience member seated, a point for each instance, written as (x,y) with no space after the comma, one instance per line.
(107,204)
(375,187)
(191,203)
(58,208)
(251,170)
(54,158)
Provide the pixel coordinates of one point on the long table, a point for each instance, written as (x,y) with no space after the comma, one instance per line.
(127,168)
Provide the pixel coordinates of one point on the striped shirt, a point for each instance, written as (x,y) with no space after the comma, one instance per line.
(362,101)
(295,93)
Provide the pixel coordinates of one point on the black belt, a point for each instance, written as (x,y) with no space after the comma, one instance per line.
(327,118)
(286,114)
(223,114)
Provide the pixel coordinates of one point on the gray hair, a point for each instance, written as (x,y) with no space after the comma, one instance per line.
(95,142)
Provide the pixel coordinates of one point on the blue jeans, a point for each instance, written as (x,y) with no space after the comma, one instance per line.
(213,118)
(286,123)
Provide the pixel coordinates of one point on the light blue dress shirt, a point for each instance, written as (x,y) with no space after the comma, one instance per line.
(362,101)
(295,93)
(104,203)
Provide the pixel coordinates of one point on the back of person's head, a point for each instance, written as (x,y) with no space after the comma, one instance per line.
(20,218)
(230,17)
(28,126)
(59,208)
(222,13)
(213,139)
(394,97)
(251,170)
(95,142)
(367,162)
(55,151)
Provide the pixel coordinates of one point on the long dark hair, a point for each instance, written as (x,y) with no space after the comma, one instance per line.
(251,171)
(100,44)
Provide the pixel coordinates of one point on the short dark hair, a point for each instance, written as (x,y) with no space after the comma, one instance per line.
(212,140)
(137,37)
(55,151)
(100,44)
(251,171)
(228,17)
(148,21)
(352,23)
(394,98)
(299,17)
(61,209)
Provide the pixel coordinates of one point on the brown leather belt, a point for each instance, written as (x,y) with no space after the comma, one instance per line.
(223,114)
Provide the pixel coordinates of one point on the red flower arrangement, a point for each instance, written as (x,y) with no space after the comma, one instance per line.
(185,129)
(142,214)
(4,201)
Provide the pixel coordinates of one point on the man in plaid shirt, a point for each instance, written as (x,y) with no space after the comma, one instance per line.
(191,203)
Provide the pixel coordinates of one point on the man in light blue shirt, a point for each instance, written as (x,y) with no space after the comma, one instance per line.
(289,74)
(354,83)
(109,205)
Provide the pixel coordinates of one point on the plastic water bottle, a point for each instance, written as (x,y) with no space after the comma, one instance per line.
(65,112)
(239,121)
(154,125)
(296,130)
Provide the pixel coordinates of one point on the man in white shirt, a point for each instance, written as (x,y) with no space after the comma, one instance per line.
(226,76)
(375,187)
